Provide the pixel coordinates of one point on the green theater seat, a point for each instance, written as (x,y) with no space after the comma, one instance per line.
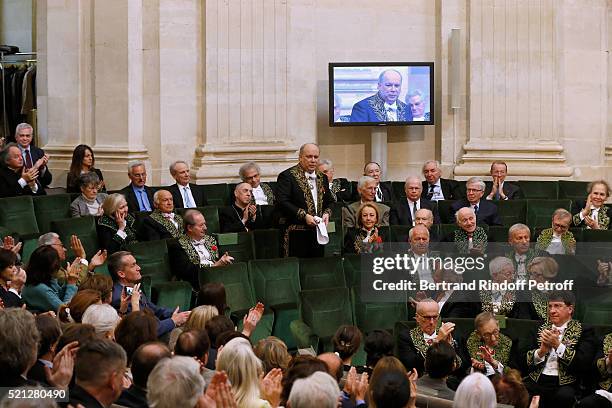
(152,257)
(17,215)
(235,278)
(240,245)
(51,207)
(381,315)
(320,273)
(539,212)
(539,189)
(84,228)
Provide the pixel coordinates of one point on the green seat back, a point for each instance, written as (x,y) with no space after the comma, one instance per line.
(267,243)
(152,257)
(498,233)
(320,273)
(336,240)
(352,269)
(216,194)
(523,329)
(51,207)
(275,282)
(83,227)
(235,278)
(574,190)
(399,191)
(596,316)
(324,310)
(539,189)
(399,233)
(512,211)
(463,327)
(444,210)
(372,316)
(211,215)
(539,212)
(173,294)
(240,245)
(29,245)
(589,235)
(17,215)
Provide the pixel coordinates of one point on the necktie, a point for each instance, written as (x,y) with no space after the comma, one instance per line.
(430,193)
(143,203)
(169,216)
(413,211)
(497,195)
(379,194)
(476,209)
(186,199)
(28,158)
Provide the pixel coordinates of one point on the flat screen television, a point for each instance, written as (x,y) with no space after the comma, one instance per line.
(381,93)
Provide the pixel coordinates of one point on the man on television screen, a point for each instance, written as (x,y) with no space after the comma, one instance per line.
(385,105)
(416,102)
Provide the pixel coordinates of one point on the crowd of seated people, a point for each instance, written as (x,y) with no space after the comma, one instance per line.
(143,353)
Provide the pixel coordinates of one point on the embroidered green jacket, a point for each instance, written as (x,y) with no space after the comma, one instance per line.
(567,240)
(603,219)
(606,376)
(479,240)
(210,243)
(502,350)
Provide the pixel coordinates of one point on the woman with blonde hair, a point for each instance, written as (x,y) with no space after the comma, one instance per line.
(198,318)
(73,312)
(366,237)
(116,225)
(273,353)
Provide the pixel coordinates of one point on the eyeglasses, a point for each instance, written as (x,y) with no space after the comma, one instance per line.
(473,190)
(489,335)
(429,317)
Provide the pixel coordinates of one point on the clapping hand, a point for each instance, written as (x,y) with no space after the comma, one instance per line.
(271,387)
(9,243)
(63,366)
(252,318)
(77,247)
(445,332)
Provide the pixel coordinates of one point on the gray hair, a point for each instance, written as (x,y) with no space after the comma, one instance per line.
(435,162)
(326,162)
(476,180)
(319,390)
(18,341)
(47,239)
(23,126)
(381,77)
(363,180)
(475,391)
(173,166)
(416,92)
(135,163)
(103,317)
(175,382)
(248,166)
(561,213)
(97,360)
(464,209)
(189,217)
(417,226)
(302,147)
(88,178)
(41,402)
(498,264)
(112,203)
(517,227)
(412,178)
(157,194)
(4,154)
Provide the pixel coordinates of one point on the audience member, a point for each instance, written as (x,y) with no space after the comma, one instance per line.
(499,189)
(558,239)
(138,195)
(273,353)
(196,344)
(391,386)
(335,368)
(404,212)
(126,273)
(603,368)
(418,239)
(144,360)
(510,389)
(475,391)
(32,155)
(365,237)
(76,333)
(104,318)
(10,285)
(90,201)
(500,302)
(436,188)
(541,270)
(346,342)
(116,227)
(198,318)
(304,200)
(439,364)
(519,236)
(319,390)
(73,311)
(184,193)
(195,250)
(42,291)
(594,214)
(101,283)
(299,367)
(366,188)
(262,192)
(213,293)
(377,344)
(383,191)
(162,223)
(134,330)
(83,161)
(50,331)
(468,237)
(242,215)
(99,370)
(340,188)
(490,351)
(453,303)
(215,327)
(19,339)
(486,212)
(566,352)
(15,179)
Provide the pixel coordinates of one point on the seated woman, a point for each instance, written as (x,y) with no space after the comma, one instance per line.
(491,352)
(594,214)
(90,201)
(42,292)
(83,161)
(116,227)
(8,281)
(366,237)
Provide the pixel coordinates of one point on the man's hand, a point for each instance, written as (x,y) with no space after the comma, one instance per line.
(544,346)
(42,162)
(63,366)
(226,259)
(445,332)
(271,388)
(252,211)
(30,175)
(98,259)
(478,365)
(77,247)
(310,221)
(218,393)
(551,338)
(412,378)
(179,318)
(485,354)
(74,271)
(135,298)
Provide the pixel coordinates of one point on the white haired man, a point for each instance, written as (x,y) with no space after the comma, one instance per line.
(162,223)
(184,193)
(138,195)
(435,187)
(486,212)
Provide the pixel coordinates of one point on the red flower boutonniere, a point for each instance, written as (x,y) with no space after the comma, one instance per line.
(377,240)
(214,248)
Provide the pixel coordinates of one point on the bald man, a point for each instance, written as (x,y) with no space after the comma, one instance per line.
(162,223)
(404,211)
(242,215)
(384,106)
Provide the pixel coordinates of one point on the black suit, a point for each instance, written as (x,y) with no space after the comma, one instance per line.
(10,187)
(133,397)
(131,199)
(400,212)
(450,189)
(44,175)
(512,191)
(387,191)
(487,211)
(460,304)
(231,221)
(196,191)
(79,396)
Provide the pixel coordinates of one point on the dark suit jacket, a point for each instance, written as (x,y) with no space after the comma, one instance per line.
(133,397)
(387,191)
(9,184)
(44,175)
(79,396)
(131,199)
(151,230)
(512,191)
(163,315)
(230,221)
(400,212)
(196,191)
(341,190)
(487,211)
(10,299)
(460,304)
(37,373)
(450,189)
(371,109)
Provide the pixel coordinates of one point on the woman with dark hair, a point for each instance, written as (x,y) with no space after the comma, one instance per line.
(213,294)
(101,283)
(73,311)
(42,291)
(136,329)
(50,332)
(378,344)
(83,161)
(346,343)
(8,270)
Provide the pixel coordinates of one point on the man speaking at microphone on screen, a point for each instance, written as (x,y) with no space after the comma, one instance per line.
(384,106)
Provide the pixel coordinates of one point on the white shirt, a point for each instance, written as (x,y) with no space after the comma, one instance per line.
(421,119)
(552,363)
(391,112)
(555,247)
(260,196)
(432,337)
(437,193)
(312,181)
(423,270)
(200,248)
(444,298)
(594,215)
(185,190)
(171,219)
(379,194)
(92,206)
(521,270)
(414,207)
